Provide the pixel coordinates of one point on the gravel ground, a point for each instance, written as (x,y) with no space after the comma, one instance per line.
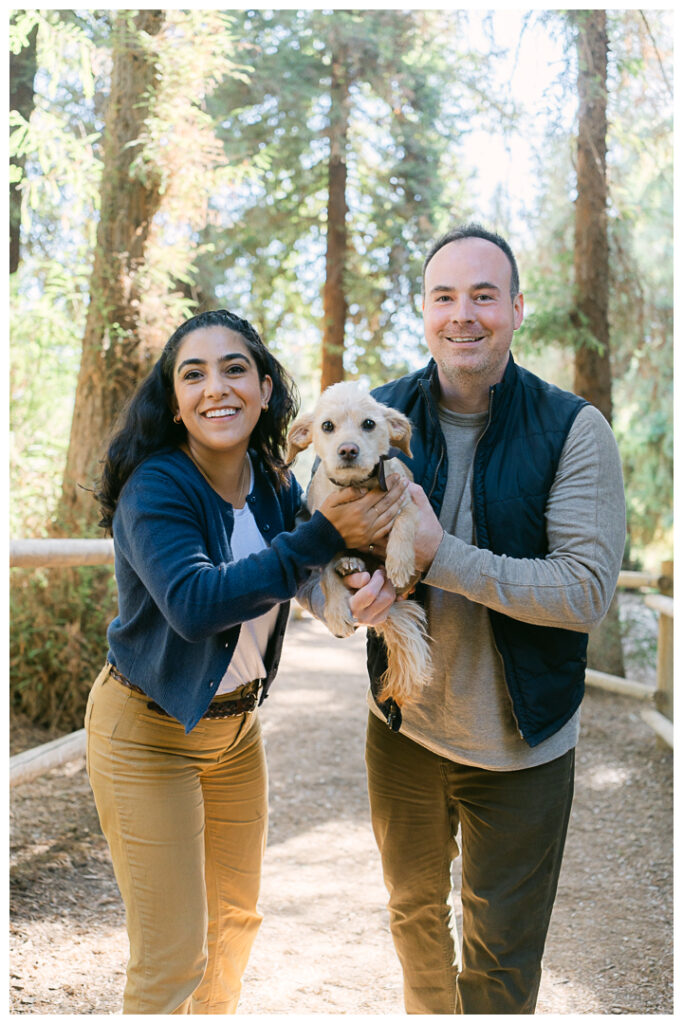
(324,946)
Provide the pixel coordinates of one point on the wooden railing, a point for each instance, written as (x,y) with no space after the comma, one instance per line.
(659,708)
(658,712)
(58,553)
(43,554)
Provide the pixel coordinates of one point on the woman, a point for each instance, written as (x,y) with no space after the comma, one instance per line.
(202,510)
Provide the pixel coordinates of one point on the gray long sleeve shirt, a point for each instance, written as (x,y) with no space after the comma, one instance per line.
(466,713)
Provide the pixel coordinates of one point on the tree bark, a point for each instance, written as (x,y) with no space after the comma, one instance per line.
(592,372)
(592,376)
(334,295)
(22,70)
(113,357)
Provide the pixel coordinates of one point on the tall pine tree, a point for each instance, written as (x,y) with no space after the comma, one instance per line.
(341,128)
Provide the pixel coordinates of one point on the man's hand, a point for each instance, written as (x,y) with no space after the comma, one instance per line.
(365,517)
(372,598)
(429,530)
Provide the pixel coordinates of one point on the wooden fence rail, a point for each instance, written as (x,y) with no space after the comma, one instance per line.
(42,554)
(659,709)
(658,712)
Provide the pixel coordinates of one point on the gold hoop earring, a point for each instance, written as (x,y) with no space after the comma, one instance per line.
(265,407)
(176,418)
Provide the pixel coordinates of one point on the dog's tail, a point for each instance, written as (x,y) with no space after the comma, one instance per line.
(409,662)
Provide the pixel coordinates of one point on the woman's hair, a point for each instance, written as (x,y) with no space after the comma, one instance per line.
(147,423)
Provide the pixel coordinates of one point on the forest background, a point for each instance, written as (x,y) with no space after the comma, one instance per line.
(294,165)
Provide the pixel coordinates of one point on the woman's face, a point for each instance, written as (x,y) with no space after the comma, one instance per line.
(217,390)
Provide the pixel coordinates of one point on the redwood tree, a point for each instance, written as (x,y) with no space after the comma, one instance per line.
(592,373)
(334,292)
(130,196)
(592,377)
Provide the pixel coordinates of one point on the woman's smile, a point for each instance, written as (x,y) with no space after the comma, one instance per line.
(218,393)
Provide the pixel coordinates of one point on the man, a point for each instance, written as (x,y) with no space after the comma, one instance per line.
(520,544)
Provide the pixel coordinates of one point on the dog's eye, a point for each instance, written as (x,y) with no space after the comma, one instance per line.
(327,426)
(368,424)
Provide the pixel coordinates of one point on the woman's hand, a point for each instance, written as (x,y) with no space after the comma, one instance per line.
(364,517)
(372,598)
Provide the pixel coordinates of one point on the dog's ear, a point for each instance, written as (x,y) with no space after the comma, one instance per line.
(400,430)
(299,436)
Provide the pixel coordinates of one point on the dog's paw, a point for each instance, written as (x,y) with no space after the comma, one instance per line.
(347,564)
(340,622)
(400,570)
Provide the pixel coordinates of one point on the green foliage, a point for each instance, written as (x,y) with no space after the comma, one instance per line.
(45,329)
(641,240)
(409,102)
(58,640)
(640,166)
(49,292)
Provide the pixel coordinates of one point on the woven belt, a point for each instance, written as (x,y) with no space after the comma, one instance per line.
(217,709)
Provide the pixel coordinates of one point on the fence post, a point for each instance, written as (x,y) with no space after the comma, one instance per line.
(665,583)
(660,718)
(664,697)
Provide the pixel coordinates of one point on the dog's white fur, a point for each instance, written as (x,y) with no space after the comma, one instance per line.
(349,431)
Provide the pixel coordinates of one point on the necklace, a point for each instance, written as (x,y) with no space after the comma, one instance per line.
(243,486)
(245,477)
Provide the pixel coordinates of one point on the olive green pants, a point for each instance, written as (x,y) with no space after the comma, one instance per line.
(185,817)
(513,827)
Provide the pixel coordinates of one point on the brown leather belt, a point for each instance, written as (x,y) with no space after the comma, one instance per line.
(225,708)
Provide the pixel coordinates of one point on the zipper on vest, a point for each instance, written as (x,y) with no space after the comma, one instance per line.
(474,457)
(492,390)
(425,388)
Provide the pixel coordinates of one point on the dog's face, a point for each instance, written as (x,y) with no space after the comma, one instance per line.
(349,430)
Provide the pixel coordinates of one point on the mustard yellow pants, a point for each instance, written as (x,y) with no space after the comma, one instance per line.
(185,817)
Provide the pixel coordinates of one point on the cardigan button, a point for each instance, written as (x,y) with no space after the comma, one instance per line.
(266,527)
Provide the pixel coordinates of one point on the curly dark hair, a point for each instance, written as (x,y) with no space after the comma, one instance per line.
(147,423)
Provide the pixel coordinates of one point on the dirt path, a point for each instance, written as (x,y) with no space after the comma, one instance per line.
(324,946)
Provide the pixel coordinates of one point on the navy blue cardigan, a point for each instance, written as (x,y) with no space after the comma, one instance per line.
(182,598)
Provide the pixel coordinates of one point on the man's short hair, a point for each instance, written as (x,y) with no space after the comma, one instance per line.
(457,234)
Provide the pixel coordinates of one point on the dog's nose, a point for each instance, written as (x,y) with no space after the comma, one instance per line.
(348,452)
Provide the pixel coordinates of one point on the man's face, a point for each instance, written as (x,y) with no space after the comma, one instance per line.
(469,316)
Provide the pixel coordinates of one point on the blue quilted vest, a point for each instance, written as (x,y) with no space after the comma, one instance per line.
(514,467)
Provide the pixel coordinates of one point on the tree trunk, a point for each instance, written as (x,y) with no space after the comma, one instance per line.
(112,360)
(592,374)
(592,378)
(23,67)
(334,296)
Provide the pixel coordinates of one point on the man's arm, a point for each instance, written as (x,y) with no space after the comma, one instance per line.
(570,587)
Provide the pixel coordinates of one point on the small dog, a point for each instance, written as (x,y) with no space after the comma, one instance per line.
(352,435)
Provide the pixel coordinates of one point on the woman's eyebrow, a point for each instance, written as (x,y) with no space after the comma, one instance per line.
(227,358)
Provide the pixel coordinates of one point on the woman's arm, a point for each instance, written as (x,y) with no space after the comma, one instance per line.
(158,532)
(159,535)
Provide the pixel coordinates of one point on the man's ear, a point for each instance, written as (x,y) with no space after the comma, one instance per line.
(518,311)
(299,436)
(400,430)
